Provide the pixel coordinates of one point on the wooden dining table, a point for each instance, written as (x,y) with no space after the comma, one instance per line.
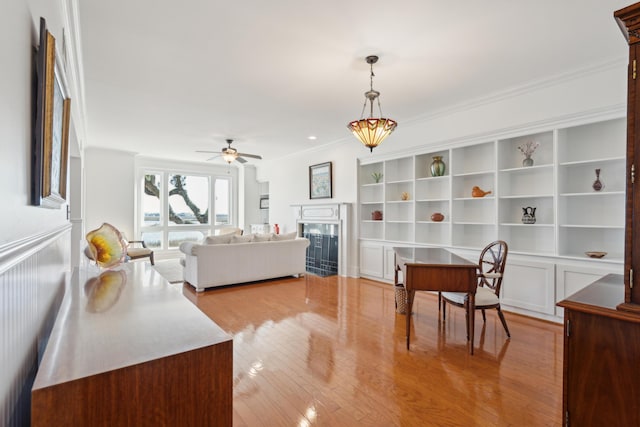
(437,269)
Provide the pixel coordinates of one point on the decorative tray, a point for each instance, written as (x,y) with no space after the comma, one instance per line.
(593,254)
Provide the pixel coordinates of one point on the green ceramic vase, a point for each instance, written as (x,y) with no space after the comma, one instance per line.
(437,166)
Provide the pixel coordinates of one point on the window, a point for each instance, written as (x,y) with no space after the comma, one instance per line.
(222,202)
(175,207)
(188,199)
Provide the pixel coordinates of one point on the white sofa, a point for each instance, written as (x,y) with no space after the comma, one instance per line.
(210,265)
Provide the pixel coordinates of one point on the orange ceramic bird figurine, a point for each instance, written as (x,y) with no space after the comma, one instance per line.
(478,192)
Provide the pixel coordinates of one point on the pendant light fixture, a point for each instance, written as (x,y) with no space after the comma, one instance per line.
(372,131)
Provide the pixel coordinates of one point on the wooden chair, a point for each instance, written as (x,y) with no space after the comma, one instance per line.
(490,272)
(138,252)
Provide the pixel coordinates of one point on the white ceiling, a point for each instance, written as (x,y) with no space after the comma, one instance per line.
(166,78)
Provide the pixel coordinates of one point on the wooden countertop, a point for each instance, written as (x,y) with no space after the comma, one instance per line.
(107,325)
(601,297)
(432,256)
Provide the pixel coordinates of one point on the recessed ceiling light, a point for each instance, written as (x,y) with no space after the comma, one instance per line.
(312,137)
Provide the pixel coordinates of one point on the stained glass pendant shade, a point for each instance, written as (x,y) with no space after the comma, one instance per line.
(372,131)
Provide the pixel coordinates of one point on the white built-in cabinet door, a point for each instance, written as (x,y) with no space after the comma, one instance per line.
(371,259)
(529,285)
(570,278)
(389,262)
(377,261)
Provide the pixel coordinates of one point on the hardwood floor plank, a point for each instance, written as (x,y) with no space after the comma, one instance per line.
(331,352)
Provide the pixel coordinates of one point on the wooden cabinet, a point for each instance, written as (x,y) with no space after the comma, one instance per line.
(629,21)
(601,353)
(129,349)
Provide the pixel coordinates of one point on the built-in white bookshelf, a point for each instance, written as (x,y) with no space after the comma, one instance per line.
(571,217)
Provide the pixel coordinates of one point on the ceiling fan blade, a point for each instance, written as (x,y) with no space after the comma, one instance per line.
(241,160)
(211,158)
(203,151)
(252,156)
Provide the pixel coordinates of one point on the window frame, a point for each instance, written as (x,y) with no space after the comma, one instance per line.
(159,167)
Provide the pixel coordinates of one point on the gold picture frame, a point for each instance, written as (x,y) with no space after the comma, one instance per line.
(51,130)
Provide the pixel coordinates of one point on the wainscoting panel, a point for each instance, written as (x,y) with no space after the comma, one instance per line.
(33,273)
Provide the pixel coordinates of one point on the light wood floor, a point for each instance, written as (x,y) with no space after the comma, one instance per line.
(331,352)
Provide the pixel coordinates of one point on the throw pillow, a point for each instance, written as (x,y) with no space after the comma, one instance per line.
(230,230)
(217,240)
(258,237)
(288,236)
(241,239)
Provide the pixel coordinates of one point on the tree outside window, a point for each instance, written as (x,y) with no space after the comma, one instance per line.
(180,208)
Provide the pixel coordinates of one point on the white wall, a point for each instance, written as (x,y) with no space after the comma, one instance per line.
(109,194)
(581,96)
(251,197)
(19,29)
(34,241)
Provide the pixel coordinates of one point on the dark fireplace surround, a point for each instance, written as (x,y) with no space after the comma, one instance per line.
(325,226)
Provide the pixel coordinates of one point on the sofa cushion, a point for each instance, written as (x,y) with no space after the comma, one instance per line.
(217,240)
(241,239)
(230,230)
(260,237)
(288,236)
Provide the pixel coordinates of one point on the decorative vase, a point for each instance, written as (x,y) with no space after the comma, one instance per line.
(404,195)
(597,184)
(527,161)
(529,215)
(437,217)
(437,166)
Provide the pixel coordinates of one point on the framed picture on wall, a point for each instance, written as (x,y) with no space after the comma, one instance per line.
(51,130)
(320,184)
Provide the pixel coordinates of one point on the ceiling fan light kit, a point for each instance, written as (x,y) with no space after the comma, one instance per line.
(229,154)
(372,131)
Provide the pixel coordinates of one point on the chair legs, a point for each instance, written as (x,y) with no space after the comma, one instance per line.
(504,322)
(466,316)
(151,258)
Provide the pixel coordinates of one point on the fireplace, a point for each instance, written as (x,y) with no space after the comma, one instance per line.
(322,252)
(326,226)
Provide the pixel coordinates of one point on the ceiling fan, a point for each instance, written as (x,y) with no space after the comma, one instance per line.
(229,154)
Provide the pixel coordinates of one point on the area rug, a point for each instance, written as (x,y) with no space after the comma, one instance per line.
(170,269)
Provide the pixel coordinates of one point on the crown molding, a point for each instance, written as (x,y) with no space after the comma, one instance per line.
(512,92)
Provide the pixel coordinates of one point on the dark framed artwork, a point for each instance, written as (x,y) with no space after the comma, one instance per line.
(320,181)
(264,203)
(51,127)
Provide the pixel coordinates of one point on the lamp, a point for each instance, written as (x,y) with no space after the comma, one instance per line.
(372,131)
(230,154)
